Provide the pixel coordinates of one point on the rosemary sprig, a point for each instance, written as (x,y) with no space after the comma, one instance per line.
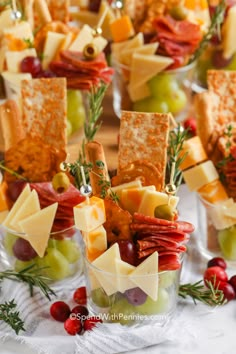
(175,146)
(9,315)
(13,173)
(216,22)
(198,292)
(92,125)
(32,275)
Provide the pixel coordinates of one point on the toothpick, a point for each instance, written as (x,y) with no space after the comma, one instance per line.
(85,186)
(170,188)
(102,18)
(15,15)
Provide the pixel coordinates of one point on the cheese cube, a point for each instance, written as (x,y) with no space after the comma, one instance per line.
(152,199)
(133,184)
(89,216)
(194,152)
(14,58)
(121,28)
(131,198)
(221,214)
(96,242)
(213,192)
(198,176)
(20,30)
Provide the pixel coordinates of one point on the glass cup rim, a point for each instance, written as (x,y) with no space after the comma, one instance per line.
(181,69)
(20,234)
(104,272)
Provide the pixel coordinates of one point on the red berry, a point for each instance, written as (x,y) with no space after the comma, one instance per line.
(31,65)
(73,326)
(228,290)
(232,282)
(217,261)
(191,125)
(80,296)
(91,322)
(60,311)
(80,310)
(215,275)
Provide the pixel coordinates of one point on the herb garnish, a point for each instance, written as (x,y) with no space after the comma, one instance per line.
(9,315)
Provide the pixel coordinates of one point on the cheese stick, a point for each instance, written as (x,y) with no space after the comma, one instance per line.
(95,154)
(41,8)
(11,126)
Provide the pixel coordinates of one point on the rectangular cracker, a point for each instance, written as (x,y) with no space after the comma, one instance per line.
(44,103)
(144,136)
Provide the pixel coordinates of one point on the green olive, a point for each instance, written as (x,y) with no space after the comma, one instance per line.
(179,12)
(164,211)
(90,51)
(60,182)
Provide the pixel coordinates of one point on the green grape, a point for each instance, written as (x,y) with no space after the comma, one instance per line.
(151,307)
(9,241)
(69,249)
(232,64)
(123,312)
(177,101)
(163,85)
(58,266)
(227,242)
(167,278)
(100,298)
(75,109)
(151,104)
(69,128)
(19,265)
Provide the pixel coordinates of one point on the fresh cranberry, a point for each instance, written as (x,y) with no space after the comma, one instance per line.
(60,311)
(217,261)
(73,326)
(232,282)
(91,322)
(191,125)
(80,296)
(228,290)
(215,275)
(80,310)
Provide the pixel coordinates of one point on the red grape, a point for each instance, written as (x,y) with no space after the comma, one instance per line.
(217,261)
(23,250)
(215,275)
(219,61)
(60,311)
(31,65)
(228,290)
(94,5)
(135,296)
(14,189)
(127,251)
(232,281)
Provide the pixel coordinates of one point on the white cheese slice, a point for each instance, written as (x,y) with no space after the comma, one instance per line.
(38,226)
(126,54)
(12,84)
(144,67)
(52,44)
(105,269)
(119,47)
(145,276)
(14,58)
(17,205)
(20,30)
(3,215)
(30,206)
(84,37)
(228,33)
(123,269)
(151,199)
(200,175)
(222,214)
(138,93)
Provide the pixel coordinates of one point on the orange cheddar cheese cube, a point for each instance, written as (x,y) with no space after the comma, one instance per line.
(213,192)
(121,29)
(96,242)
(3,199)
(89,216)
(198,176)
(194,152)
(131,198)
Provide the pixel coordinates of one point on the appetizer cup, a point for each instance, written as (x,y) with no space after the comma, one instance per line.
(168,91)
(62,258)
(217,230)
(128,300)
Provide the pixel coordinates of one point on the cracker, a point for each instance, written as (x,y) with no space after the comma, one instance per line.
(144,136)
(44,110)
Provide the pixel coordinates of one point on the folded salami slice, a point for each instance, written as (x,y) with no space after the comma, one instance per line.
(78,60)
(168,236)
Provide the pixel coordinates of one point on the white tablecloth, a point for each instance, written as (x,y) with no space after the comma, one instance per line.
(196,329)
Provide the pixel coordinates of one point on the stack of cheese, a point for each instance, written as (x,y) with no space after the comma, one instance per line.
(201,176)
(107,269)
(29,222)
